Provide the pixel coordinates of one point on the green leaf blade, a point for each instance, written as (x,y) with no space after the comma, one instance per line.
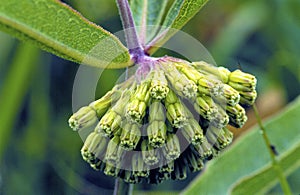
(249,154)
(57,28)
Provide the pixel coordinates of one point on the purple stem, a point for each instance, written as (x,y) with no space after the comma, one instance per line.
(132,40)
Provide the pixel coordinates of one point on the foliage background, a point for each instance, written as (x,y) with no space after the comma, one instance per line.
(41,154)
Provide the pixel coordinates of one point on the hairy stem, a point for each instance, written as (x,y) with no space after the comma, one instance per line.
(132,40)
(122,188)
(281,177)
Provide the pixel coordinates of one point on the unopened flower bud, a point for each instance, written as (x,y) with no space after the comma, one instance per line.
(166,167)
(221,118)
(109,123)
(157,112)
(139,168)
(248,97)
(159,85)
(194,163)
(193,132)
(114,152)
(136,110)
(237,115)
(172,147)
(157,132)
(242,81)
(130,177)
(206,107)
(179,172)
(176,115)
(94,147)
(171,98)
(83,118)
(206,86)
(130,136)
(99,166)
(111,170)
(150,155)
(228,95)
(204,149)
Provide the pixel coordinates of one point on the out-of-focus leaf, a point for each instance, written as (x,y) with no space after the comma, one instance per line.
(147,16)
(57,28)
(14,88)
(246,20)
(249,153)
(266,178)
(179,14)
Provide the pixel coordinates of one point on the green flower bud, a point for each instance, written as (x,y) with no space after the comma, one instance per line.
(166,167)
(248,97)
(176,115)
(171,98)
(83,118)
(136,110)
(182,85)
(223,74)
(138,166)
(157,112)
(102,105)
(111,170)
(206,86)
(194,163)
(228,95)
(193,132)
(237,115)
(142,92)
(130,136)
(130,177)
(242,81)
(221,119)
(159,85)
(172,148)
(157,133)
(94,147)
(114,152)
(220,138)
(109,123)
(206,107)
(190,72)
(204,149)
(179,172)
(150,155)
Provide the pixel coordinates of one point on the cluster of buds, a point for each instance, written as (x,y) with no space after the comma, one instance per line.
(167,123)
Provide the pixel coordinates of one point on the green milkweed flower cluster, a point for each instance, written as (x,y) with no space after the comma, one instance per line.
(168,122)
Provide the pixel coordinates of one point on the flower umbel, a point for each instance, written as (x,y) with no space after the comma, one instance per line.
(165,123)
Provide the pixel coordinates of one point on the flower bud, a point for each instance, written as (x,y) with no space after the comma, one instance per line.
(109,123)
(172,148)
(228,95)
(99,166)
(248,97)
(157,112)
(93,148)
(221,118)
(159,85)
(166,167)
(130,177)
(176,115)
(171,98)
(206,86)
(204,149)
(150,155)
(114,152)
(179,172)
(138,166)
(111,170)
(130,136)
(83,118)
(157,132)
(194,163)
(220,138)
(237,115)
(193,132)
(136,110)
(206,107)
(242,81)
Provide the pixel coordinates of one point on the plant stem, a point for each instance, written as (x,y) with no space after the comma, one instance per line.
(132,40)
(282,179)
(122,188)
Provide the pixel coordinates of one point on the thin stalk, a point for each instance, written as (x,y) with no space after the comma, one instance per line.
(281,177)
(132,40)
(122,188)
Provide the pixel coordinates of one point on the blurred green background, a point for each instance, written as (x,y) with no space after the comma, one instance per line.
(39,154)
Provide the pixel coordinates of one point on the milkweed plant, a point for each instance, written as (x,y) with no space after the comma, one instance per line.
(169,116)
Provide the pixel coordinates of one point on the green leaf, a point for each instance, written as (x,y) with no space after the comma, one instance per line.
(147,16)
(57,28)
(249,154)
(179,14)
(266,178)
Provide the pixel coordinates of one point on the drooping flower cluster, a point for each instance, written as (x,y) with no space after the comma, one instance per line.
(167,123)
